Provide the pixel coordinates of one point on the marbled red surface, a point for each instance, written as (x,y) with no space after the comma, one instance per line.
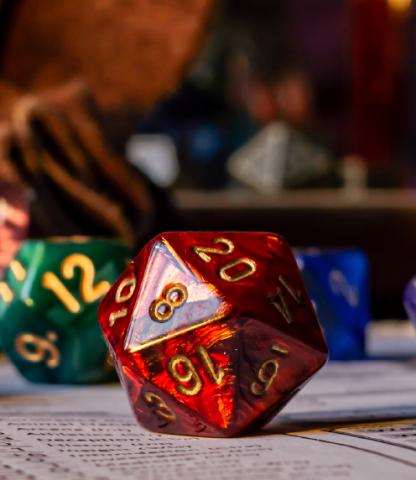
(258,330)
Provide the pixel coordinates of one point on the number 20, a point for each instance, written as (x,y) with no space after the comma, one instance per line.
(225,272)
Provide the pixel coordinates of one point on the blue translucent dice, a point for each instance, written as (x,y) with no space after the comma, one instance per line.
(338,284)
(409,299)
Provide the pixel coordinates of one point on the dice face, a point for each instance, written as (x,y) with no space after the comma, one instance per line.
(48,320)
(212,332)
(338,284)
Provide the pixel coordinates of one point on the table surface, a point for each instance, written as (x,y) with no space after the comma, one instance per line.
(354,421)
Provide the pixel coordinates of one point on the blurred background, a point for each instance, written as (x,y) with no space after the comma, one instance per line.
(291,116)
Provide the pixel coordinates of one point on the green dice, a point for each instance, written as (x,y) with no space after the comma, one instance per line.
(48,308)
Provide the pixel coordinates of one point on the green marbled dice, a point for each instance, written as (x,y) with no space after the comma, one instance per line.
(48,308)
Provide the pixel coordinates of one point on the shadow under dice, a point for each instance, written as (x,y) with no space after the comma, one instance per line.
(212,333)
(48,318)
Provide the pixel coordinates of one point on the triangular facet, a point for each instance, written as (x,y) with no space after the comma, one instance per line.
(196,370)
(172,300)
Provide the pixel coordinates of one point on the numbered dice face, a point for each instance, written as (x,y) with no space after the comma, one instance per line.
(212,333)
(48,309)
(337,282)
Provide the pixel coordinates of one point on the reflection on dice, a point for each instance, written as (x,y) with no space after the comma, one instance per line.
(212,333)
(338,284)
(48,309)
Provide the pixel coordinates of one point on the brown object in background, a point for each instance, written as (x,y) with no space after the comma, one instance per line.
(52,144)
(129,52)
(8,94)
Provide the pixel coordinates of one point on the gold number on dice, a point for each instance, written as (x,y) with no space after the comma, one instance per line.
(267,372)
(159,407)
(182,369)
(36,349)
(6,293)
(172,298)
(216,375)
(19,272)
(51,282)
(226,271)
(123,294)
(88,291)
(203,252)
(279,300)
(250,265)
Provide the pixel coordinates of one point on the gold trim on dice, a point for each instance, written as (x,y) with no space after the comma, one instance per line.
(169,336)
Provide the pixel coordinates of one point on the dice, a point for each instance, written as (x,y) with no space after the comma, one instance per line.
(48,309)
(212,333)
(338,284)
(409,299)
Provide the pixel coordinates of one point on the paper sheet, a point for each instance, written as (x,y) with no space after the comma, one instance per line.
(353,421)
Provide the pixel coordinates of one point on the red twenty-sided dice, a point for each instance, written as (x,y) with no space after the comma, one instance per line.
(212,333)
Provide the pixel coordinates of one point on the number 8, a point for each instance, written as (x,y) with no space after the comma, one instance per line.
(173,297)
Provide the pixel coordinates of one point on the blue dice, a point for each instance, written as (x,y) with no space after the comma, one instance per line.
(409,299)
(338,284)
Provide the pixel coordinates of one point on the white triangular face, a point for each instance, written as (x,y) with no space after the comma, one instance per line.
(261,162)
(172,300)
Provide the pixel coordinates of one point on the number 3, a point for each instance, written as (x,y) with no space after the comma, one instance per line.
(159,407)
